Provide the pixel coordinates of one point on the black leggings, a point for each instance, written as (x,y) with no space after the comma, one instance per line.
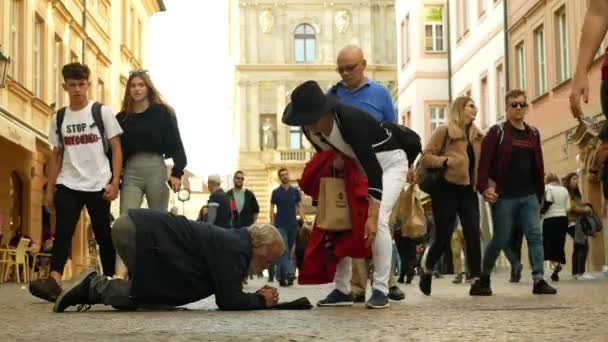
(68,206)
(407,253)
(448,201)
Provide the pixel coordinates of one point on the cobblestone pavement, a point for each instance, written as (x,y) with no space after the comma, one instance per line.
(579,311)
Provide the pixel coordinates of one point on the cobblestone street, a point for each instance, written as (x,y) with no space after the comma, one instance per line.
(579,311)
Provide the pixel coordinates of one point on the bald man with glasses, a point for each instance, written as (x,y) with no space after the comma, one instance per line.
(363,93)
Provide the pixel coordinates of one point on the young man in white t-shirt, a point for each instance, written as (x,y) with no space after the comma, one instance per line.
(80,174)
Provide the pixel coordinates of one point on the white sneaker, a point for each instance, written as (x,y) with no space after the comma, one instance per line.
(587,277)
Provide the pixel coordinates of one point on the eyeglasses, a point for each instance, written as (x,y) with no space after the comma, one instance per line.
(346,68)
(138,72)
(519,104)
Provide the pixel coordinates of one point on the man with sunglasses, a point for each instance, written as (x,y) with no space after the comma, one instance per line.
(357,90)
(243,204)
(511,178)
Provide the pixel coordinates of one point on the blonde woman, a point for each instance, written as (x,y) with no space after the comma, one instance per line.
(455,148)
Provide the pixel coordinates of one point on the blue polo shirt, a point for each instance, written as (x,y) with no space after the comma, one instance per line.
(373,98)
(286,201)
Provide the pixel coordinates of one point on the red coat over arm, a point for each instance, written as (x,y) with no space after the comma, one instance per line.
(325,249)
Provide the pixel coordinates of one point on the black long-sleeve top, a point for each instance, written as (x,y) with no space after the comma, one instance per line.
(367,137)
(154,130)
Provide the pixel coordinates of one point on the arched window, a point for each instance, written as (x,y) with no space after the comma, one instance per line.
(304,44)
(15,195)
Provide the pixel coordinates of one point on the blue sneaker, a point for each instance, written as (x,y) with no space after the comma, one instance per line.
(336,298)
(378,300)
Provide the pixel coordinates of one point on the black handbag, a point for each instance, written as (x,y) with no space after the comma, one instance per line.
(427,178)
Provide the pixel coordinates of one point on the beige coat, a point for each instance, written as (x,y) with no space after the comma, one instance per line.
(455,151)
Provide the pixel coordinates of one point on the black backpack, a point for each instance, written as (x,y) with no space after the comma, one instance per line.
(98,121)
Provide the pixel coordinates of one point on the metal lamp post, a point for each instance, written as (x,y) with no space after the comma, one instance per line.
(4,62)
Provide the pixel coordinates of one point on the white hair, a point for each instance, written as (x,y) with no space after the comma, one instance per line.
(265,235)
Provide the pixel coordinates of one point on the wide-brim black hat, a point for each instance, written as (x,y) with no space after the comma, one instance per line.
(308,104)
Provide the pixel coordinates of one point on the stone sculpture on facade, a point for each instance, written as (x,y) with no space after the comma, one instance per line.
(268,130)
(266,21)
(342,20)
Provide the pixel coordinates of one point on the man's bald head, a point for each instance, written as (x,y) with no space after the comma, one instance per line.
(350,51)
(351,66)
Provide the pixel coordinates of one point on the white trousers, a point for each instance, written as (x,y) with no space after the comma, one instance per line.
(394,169)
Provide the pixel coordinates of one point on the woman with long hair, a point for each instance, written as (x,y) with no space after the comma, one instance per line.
(455,148)
(151,135)
(555,223)
(581,243)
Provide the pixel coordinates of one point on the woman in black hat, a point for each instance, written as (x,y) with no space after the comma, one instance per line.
(329,124)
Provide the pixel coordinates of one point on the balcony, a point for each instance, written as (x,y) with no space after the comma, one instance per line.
(291,156)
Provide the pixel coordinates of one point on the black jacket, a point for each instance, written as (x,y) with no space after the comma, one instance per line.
(222,203)
(367,137)
(179,261)
(250,208)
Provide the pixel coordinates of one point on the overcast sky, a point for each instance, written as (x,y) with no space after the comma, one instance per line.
(190,65)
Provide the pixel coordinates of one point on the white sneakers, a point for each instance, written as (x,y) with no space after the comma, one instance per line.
(585,276)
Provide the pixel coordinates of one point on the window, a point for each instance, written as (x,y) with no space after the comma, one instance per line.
(57,65)
(539,61)
(16,38)
(139,40)
(520,52)
(15,195)
(500,91)
(38,57)
(304,44)
(295,138)
(482,6)
(101,91)
(462,11)
(405,41)
(131,43)
(561,30)
(437,117)
(406,118)
(433,29)
(484,102)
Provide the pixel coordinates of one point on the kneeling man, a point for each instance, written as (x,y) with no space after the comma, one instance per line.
(174,261)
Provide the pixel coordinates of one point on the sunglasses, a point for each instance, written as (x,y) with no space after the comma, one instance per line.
(519,104)
(138,72)
(346,68)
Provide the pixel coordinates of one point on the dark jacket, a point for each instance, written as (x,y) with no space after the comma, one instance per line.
(179,261)
(367,137)
(250,208)
(220,200)
(496,158)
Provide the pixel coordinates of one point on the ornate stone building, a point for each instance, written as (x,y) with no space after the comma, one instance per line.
(279,44)
(39,37)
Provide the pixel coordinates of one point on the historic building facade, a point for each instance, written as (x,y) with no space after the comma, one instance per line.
(40,36)
(278,45)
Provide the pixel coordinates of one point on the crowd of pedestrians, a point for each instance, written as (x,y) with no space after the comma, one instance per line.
(153,258)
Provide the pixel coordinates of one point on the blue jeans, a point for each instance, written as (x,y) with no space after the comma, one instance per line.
(285,264)
(525,210)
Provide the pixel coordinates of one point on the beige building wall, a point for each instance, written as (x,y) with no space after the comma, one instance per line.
(477,40)
(560,22)
(40,36)
(422,64)
(268,69)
